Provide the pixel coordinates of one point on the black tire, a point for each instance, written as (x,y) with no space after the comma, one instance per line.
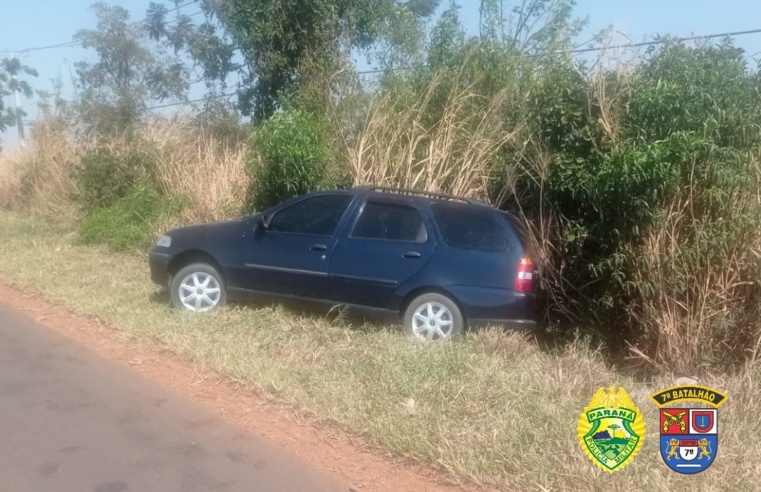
(202,271)
(417,329)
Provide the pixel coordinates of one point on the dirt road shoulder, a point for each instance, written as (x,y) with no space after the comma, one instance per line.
(342,455)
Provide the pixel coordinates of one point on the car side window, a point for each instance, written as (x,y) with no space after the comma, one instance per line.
(469,227)
(318,215)
(390,222)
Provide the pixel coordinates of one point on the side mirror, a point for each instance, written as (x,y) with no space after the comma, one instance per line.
(262,223)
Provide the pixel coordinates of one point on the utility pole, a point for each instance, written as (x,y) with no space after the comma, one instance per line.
(19,122)
(17,99)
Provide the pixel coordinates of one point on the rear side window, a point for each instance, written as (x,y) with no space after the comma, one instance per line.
(390,222)
(469,227)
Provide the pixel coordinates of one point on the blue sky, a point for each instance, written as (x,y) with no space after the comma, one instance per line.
(35,23)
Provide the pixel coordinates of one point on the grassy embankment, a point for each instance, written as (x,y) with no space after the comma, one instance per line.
(492,408)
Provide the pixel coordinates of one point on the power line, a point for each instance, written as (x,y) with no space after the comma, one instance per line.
(181,6)
(39,48)
(69,44)
(194,14)
(161,106)
(181,103)
(603,48)
(661,41)
(369,72)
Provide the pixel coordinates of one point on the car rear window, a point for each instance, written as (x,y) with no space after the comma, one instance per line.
(469,227)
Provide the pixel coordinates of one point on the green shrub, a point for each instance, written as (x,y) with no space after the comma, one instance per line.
(639,184)
(290,156)
(130,221)
(105,176)
(655,199)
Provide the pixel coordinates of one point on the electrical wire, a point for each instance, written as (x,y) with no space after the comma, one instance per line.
(217,96)
(69,44)
(603,48)
(370,72)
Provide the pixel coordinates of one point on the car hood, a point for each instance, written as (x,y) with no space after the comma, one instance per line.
(215,230)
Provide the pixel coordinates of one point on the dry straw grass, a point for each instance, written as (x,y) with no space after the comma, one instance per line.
(188,163)
(193,164)
(37,178)
(455,154)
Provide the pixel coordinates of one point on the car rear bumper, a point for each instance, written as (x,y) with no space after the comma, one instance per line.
(159,266)
(502,306)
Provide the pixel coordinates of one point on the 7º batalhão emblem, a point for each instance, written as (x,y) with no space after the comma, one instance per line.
(689,437)
(611,429)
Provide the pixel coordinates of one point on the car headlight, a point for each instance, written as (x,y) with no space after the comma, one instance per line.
(164,241)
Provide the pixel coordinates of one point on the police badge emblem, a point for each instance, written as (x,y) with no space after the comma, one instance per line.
(611,430)
(689,435)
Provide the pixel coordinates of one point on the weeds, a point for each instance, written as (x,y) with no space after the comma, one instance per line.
(129,223)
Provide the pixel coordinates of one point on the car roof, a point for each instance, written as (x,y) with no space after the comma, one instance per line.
(418,195)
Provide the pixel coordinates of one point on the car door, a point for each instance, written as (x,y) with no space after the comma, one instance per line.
(388,243)
(292,254)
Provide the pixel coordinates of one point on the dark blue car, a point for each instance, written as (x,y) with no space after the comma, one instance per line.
(439,262)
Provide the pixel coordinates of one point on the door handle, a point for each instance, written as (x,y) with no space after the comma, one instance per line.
(318,247)
(411,254)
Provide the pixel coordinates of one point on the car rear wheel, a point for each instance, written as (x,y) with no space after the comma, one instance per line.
(197,288)
(433,317)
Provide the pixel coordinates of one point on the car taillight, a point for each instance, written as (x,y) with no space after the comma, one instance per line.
(524,280)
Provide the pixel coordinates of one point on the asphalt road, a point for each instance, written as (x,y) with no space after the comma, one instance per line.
(72,421)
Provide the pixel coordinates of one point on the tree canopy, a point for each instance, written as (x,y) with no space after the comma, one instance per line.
(283,44)
(115,90)
(12,73)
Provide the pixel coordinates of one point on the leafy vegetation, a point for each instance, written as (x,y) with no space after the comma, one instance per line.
(286,45)
(129,222)
(12,72)
(114,92)
(290,156)
(104,176)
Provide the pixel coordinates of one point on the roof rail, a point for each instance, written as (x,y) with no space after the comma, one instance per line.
(429,194)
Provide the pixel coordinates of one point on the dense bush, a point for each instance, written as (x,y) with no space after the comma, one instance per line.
(130,222)
(104,175)
(290,155)
(653,183)
(640,184)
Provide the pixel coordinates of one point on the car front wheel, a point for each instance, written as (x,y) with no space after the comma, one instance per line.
(197,288)
(433,317)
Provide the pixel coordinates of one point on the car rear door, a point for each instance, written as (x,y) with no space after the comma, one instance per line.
(387,243)
(293,254)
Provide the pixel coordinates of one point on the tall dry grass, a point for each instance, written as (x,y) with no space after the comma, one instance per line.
(194,164)
(399,146)
(705,305)
(187,162)
(37,178)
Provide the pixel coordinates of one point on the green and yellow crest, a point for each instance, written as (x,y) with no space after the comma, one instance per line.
(611,429)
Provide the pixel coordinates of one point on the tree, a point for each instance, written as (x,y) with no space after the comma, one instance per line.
(11,71)
(283,45)
(115,91)
(614,428)
(531,26)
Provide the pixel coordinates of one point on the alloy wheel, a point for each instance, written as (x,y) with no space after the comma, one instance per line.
(200,292)
(432,321)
